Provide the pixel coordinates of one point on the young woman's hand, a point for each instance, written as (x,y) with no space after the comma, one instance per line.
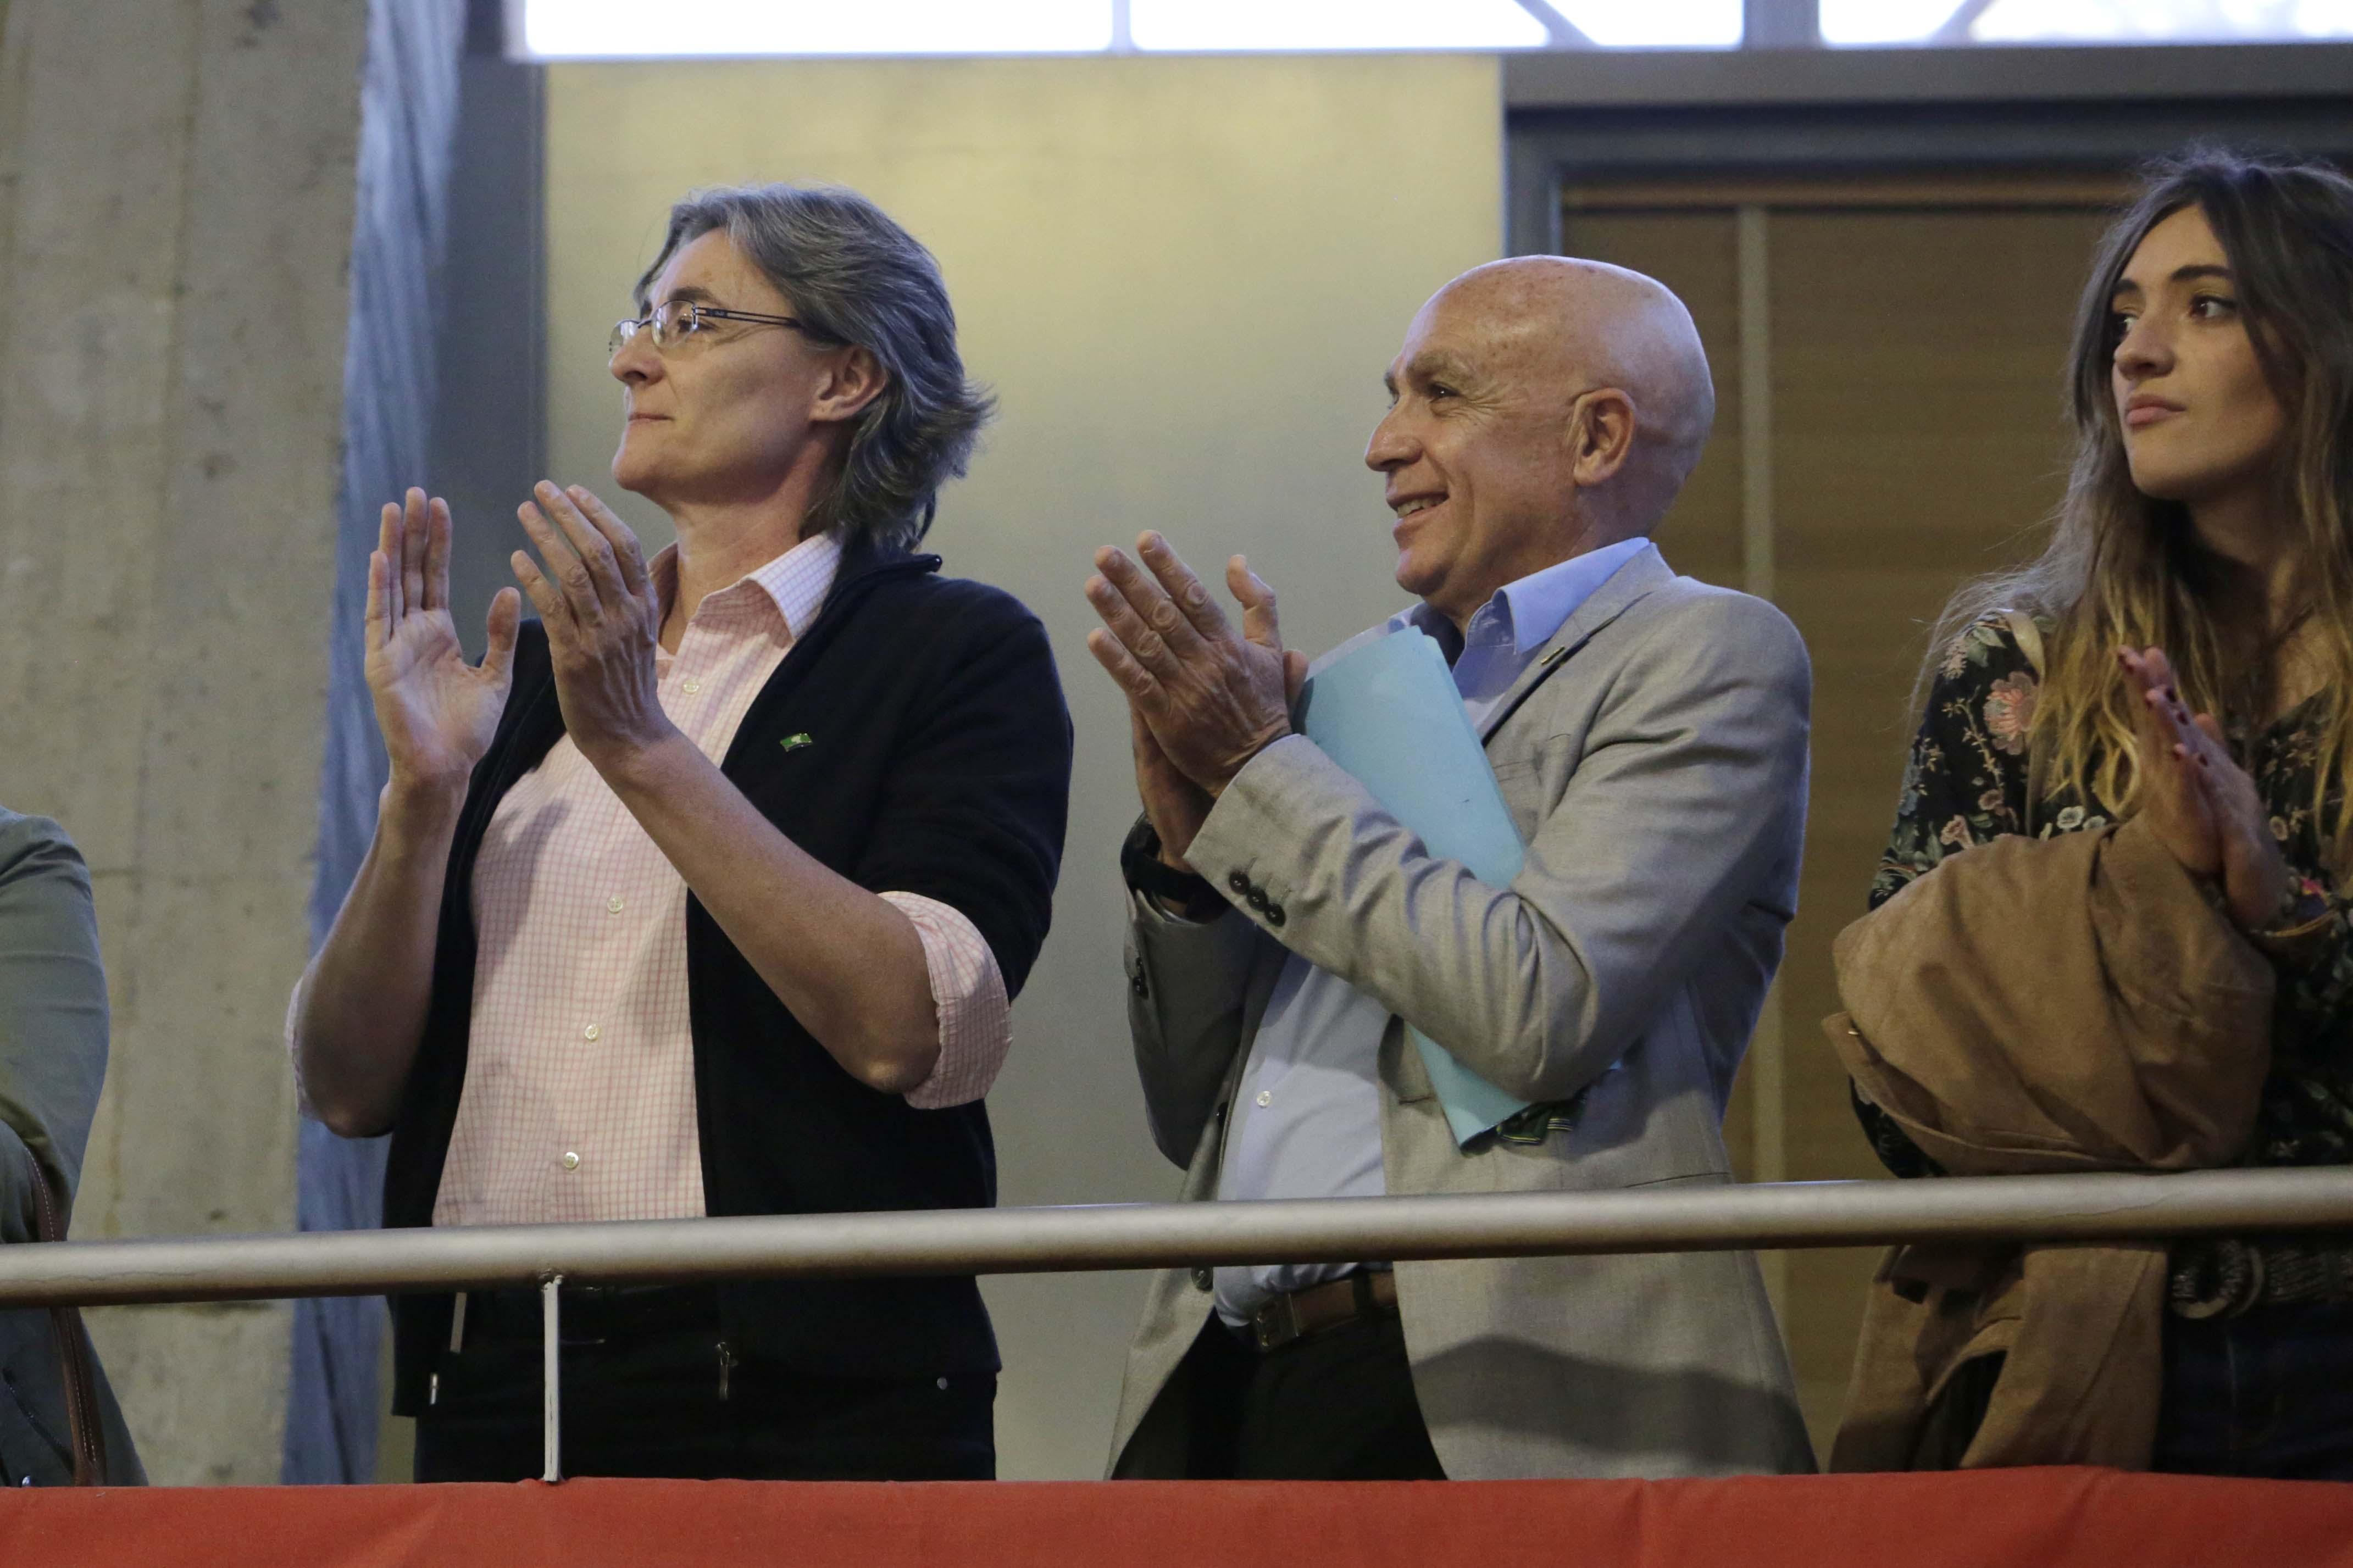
(2203,806)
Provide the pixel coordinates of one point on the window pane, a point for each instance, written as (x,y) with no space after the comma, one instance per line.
(2162,21)
(1884,21)
(1333,24)
(1657,24)
(557,28)
(2083,21)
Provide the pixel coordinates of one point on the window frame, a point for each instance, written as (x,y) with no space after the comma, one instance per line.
(1813,112)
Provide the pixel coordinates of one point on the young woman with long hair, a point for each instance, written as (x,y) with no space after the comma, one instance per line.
(2182,652)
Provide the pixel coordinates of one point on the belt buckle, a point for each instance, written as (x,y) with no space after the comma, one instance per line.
(1275,1324)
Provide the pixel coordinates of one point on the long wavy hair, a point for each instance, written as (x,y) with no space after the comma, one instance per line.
(2123,568)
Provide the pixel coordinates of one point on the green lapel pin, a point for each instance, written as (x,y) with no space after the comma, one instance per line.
(795,740)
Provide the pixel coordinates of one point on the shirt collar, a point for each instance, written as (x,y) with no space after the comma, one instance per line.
(1525,615)
(795,583)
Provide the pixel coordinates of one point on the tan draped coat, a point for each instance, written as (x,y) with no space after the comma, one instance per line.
(2042,1005)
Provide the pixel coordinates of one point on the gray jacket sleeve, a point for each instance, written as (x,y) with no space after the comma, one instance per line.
(53,1017)
(1687,801)
(1187,984)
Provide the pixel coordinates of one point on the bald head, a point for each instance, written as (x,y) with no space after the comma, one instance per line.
(1585,325)
(1541,408)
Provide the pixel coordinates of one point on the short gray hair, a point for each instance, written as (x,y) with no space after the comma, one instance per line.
(854,277)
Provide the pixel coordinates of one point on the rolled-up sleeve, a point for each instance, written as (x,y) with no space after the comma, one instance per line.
(968,991)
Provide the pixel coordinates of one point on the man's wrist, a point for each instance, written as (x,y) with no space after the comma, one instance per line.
(1217,788)
(1185,894)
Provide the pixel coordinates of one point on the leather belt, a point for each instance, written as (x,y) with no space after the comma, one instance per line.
(2224,1278)
(1367,1293)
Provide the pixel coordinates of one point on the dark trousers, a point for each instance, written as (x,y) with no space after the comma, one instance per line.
(1335,1406)
(650,1388)
(2269,1394)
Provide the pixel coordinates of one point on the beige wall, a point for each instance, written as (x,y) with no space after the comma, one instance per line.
(175,217)
(1183,277)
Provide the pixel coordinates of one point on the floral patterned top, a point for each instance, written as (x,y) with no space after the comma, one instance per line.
(1966,783)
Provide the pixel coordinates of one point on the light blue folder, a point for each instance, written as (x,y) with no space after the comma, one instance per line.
(1391,715)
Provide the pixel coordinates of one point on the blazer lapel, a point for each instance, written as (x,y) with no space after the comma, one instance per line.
(1646,571)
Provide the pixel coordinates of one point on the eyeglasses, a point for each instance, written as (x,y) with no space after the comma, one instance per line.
(677,321)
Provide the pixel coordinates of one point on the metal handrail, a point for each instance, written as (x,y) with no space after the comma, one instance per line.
(1698,1216)
(1695,1217)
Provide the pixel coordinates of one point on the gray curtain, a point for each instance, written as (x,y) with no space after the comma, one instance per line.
(408,121)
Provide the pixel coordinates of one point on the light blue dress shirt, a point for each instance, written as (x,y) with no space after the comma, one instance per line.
(1307,1116)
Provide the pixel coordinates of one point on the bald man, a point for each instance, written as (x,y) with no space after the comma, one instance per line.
(1649,735)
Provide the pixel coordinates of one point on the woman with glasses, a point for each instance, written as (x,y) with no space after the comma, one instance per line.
(2110,930)
(706,891)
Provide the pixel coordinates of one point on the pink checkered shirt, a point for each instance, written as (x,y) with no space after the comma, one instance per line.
(579,1098)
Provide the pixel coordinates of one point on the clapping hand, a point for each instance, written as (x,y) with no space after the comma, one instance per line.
(1206,699)
(437,711)
(2201,804)
(604,623)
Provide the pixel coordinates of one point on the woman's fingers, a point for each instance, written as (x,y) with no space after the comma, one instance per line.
(630,555)
(436,555)
(596,553)
(545,595)
(505,620)
(377,619)
(387,545)
(565,574)
(415,531)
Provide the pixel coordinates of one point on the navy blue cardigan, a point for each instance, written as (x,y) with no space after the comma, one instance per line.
(914,741)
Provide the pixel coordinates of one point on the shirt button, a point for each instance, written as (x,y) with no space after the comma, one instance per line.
(691,687)
(1266,1096)
(570,1161)
(592,1033)
(613,905)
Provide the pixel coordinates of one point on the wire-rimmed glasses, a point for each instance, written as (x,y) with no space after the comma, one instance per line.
(676,321)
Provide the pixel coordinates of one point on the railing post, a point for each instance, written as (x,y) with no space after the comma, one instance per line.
(551,1337)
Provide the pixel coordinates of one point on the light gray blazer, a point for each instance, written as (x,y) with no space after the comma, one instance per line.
(1654,756)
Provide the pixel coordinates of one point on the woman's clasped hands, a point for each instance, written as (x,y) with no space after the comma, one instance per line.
(2203,807)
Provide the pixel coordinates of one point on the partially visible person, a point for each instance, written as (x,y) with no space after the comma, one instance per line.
(707,892)
(1647,733)
(2110,928)
(59,1420)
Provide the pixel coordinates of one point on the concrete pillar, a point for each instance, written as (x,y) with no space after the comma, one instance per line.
(175,222)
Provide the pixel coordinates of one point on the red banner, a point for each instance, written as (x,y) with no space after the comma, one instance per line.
(2079,1519)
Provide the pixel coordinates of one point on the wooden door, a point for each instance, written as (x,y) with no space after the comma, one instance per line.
(1889,367)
